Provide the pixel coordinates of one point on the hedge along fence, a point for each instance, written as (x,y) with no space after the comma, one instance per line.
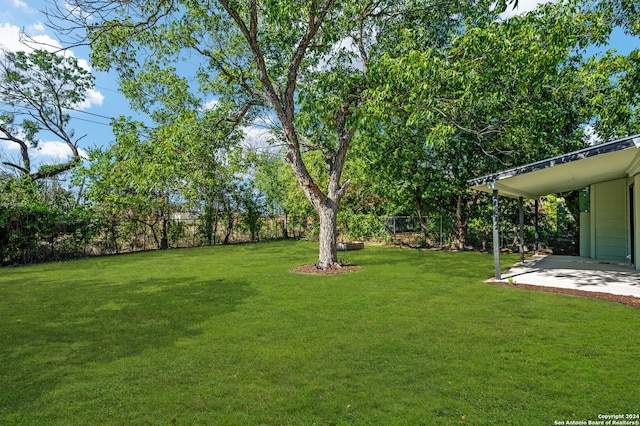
(39,234)
(34,234)
(31,234)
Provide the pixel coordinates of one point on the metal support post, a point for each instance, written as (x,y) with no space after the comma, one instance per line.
(521,211)
(496,234)
(537,219)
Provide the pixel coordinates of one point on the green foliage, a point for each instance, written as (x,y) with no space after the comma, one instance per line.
(137,178)
(497,95)
(252,209)
(37,90)
(175,232)
(179,166)
(22,230)
(37,230)
(361,226)
(506,86)
(616,104)
(275,179)
(305,62)
(427,93)
(46,79)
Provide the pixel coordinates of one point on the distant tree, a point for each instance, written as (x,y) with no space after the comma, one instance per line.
(127,184)
(37,90)
(182,163)
(283,196)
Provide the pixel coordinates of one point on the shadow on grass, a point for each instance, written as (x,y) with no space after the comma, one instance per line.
(67,335)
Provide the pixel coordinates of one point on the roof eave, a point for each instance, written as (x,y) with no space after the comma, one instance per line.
(489,182)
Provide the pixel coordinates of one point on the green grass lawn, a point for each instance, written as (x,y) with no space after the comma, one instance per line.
(226,335)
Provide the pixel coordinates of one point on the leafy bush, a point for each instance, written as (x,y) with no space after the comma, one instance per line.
(37,233)
(360,226)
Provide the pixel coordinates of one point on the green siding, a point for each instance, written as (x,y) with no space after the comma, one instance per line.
(609,221)
(585,234)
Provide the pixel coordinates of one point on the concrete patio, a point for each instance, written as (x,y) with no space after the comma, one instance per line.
(578,273)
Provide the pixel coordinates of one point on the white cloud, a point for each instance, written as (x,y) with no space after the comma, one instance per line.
(77,12)
(43,41)
(210,104)
(19,4)
(256,137)
(524,6)
(346,51)
(259,134)
(591,136)
(8,146)
(53,150)
(36,27)
(93,97)
(46,152)
(12,40)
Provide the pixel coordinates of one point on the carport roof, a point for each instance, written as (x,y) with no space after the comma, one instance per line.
(576,170)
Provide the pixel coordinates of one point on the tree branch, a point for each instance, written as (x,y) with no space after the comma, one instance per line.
(251,34)
(315,22)
(15,166)
(24,151)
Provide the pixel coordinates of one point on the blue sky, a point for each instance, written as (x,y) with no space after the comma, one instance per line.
(92,118)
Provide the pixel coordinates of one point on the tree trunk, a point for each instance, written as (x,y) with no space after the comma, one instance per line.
(164,235)
(328,255)
(459,225)
(229,229)
(216,221)
(152,226)
(325,205)
(285,232)
(421,219)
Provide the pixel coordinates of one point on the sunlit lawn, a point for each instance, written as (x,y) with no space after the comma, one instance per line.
(226,335)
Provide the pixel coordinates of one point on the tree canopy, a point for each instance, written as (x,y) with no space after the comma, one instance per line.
(429,93)
(37,91)
(306,62)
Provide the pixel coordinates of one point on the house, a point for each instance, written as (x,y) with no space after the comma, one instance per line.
(609,218)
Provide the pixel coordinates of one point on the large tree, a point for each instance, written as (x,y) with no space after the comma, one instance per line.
(285,57)
(37,91)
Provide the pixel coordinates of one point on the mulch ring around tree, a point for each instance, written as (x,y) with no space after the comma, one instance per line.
(312,269)
(617,298)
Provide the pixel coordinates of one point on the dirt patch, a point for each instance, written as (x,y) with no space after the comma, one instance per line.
(312,269)
(625,300)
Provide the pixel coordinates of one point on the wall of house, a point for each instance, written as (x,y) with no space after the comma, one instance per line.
(585,234)
(609,221)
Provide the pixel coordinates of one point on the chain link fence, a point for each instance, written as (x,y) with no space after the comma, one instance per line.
(33,238)
(433,231)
